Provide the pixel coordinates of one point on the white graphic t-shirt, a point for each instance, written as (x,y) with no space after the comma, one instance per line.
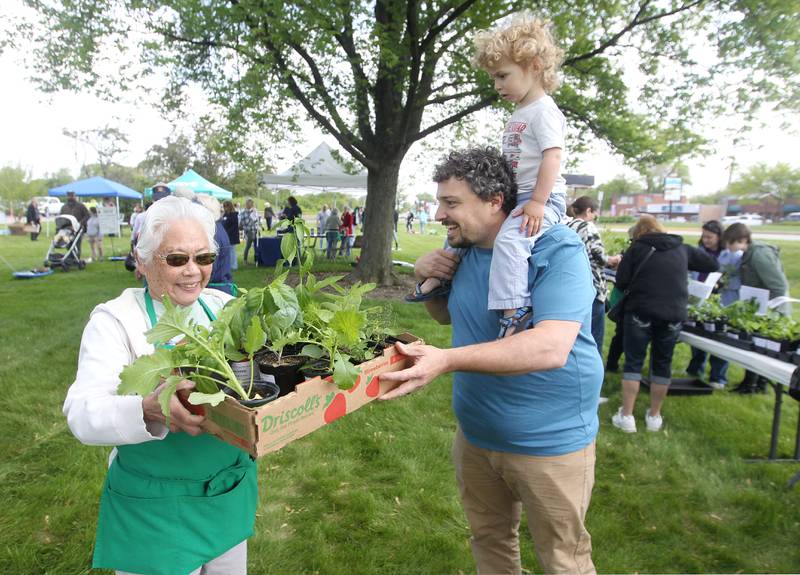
(530,131)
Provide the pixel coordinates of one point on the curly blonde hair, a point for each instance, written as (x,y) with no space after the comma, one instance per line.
(527,40)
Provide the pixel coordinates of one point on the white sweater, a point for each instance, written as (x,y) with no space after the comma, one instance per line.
(114,338)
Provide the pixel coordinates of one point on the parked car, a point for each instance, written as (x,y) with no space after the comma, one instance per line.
(748,219)
(792,217)
(48,205)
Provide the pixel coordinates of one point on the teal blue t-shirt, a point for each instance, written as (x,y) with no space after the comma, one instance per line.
(539,413)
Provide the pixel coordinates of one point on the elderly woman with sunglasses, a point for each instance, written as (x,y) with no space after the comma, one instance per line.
(175,500)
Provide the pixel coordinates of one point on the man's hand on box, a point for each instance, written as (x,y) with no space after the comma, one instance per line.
(436,264)
(180,419)
(429,362)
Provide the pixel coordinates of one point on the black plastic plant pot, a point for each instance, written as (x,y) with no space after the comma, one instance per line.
(286,372)
(386,342)
(263,392)
(319,368)
(745,344)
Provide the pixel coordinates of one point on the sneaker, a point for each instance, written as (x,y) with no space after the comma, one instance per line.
(653,423)
(717,385)
(626,423)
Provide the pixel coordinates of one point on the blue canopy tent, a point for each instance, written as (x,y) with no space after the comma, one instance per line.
(198,184)
(96,187)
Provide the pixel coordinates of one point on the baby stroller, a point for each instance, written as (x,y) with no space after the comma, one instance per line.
(68,234)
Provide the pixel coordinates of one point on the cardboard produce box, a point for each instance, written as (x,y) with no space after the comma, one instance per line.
(315,403)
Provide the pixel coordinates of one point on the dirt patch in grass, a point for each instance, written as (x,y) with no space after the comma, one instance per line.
(404,284)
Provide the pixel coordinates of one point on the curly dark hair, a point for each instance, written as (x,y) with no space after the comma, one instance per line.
(485,170)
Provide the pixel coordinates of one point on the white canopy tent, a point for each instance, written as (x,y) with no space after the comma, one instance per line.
(319,171)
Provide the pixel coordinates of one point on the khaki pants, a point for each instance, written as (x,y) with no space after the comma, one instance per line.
(554,491)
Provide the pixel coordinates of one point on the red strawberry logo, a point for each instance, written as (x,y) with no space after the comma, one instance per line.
(336,409)
(355,385)
(374,387)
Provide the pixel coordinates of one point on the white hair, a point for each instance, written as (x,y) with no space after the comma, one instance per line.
(211,204)
(183,191)
(163,214)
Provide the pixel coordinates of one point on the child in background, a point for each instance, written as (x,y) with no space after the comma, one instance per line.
(523,60)
(94,235)
(730,262)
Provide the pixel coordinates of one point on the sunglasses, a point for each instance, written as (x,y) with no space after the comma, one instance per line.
(180,260)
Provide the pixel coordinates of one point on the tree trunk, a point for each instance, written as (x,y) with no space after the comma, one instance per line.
(375,264)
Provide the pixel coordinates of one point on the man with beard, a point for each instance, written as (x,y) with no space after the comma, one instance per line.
(526,405)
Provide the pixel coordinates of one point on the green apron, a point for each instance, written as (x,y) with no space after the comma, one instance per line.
(226,285)
(170,506)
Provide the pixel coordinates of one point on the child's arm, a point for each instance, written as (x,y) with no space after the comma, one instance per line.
(533,210)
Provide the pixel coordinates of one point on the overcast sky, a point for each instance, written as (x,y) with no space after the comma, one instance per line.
(32,125)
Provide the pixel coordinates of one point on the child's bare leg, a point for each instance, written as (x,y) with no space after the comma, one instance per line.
(429,285)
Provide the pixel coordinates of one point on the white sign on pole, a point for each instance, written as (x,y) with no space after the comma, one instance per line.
(672,189)
(109,222)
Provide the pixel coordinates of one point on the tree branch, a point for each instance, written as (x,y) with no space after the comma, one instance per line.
(319,85)
(354,146)
(455,117)
(348,140)
(630,26)
(362,83)
(444,99)
(436,30)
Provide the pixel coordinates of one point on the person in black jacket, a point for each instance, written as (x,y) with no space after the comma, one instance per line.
(655,309)
(33,219)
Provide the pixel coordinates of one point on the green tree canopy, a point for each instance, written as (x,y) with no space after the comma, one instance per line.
(382,75)
(14,184)
(781,181)
(208,152)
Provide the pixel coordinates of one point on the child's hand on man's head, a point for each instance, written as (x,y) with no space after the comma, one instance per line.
(532,215)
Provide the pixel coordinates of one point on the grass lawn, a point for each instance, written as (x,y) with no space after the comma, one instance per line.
(375,491)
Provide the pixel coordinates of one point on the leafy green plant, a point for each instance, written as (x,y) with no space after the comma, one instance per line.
(742,315)
(779,327)
(200,356)
(707,310)
(333,326)
(614,242)
(335,329)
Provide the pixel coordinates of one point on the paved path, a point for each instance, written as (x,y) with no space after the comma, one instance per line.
(786,237)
